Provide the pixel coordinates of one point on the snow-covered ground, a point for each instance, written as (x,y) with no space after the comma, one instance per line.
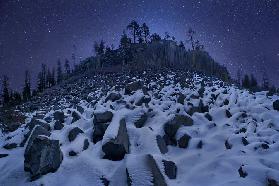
(235,143)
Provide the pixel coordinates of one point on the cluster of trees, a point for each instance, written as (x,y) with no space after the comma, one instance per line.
(46,78)
(251,83)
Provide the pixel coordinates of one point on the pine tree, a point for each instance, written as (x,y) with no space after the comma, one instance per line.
(246,81)
(253,82)
(191,34)
(133,27)
(26,94)
(59,72)
(265,84)
(67,68)
(5,94)
(146,32)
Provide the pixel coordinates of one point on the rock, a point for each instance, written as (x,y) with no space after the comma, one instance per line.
(182,120)
(171,129)
(228,114)
(35,122)
(276,105)
(99,131)
(139,123)
(242,173)
(75,116)
(103,117)
(244,141)
(48,119)
(58,125)
(113,97)
(226,102)
(10,146)
(158,178)
(104,181)
(134,86)
(85,144)
(115,149)
(265,146)
(200,144)
(227,145)
(44,156)
(31,135)
(161,144)
(73,133)
(208,116)
(72,153)
(129,180)
(59,116)
(3,155)
(184,141)
(181,98)
(170,169)
(144,99)
(272,182)
(80,109)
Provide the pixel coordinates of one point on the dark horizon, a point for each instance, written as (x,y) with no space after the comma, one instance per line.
(237,34)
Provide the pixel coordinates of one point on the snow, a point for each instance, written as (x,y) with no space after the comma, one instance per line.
(212,164)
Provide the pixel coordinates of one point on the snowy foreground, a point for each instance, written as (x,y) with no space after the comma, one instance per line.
(152,131)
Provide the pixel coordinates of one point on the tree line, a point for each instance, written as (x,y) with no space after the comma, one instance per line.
(46,78)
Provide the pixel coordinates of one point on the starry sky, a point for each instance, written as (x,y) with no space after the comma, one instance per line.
(240,34)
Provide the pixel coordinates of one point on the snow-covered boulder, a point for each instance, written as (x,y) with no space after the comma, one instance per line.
(116,148)
(43,156)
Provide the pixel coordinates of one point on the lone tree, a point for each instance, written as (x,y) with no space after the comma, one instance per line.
(191,34)
(246,81)
(67,68)
(133,27)
(146,32)
(5,94)
(26,94)
(59,72)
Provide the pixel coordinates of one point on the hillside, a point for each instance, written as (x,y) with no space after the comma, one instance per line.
(150,127)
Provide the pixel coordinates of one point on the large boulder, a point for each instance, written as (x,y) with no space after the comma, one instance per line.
(75,116)
(43,156)
(74,133)
(181,98)
(276,105)
(115,149)
(170,169)
(158,178)
(59,116)
(161,144)
(139,123)
(103,117)
(99,131)
(171,127)
(184,141)
(143,99)
(113,97)
(31,135)
(58,125)
(35,122)
(134,86)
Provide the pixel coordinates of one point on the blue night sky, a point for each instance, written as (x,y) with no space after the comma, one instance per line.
(239,34)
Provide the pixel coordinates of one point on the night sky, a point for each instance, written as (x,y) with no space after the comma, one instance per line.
(241,34)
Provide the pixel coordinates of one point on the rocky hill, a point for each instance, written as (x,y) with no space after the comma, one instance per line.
(150,127)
